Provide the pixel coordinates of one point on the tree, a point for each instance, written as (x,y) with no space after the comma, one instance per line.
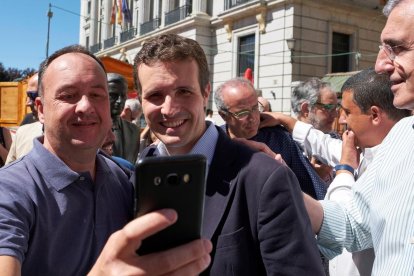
(14,74)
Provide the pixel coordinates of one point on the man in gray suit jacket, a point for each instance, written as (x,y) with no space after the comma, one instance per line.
(254,213)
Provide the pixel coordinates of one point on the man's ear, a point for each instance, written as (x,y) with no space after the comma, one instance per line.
(223,115)
(206,94)
(304,109)
(39,106)
(376,114)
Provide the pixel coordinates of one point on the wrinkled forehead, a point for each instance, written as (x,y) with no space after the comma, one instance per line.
(399,28)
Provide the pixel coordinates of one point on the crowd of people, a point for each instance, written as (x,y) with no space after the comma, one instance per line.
(284,193)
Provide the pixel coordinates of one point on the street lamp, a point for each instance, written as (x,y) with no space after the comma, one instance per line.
(49,15)
(291,46)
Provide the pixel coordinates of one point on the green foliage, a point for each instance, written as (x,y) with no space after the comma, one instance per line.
(14,74)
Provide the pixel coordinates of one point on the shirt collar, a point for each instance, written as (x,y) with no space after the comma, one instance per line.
(206,145)
(54,170)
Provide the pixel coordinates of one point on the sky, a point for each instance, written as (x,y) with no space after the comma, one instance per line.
(23,29)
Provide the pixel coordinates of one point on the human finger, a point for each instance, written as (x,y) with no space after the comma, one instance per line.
(188,259)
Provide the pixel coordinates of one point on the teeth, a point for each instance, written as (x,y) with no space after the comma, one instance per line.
(173,123)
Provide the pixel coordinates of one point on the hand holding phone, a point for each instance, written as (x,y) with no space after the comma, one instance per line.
(176,182)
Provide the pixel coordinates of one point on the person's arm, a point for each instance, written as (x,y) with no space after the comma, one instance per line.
(4,150)
(268,119)
(315,212)
(119,254)
(9,266)
(314,142)
(287,243)
(11,156)
(261,147)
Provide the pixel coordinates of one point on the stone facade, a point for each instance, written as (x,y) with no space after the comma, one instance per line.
(222,26)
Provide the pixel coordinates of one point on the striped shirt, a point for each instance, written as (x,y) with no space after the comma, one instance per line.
(381,212)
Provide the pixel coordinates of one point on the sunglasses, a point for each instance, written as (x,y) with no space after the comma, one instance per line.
(32,95)
(329,107)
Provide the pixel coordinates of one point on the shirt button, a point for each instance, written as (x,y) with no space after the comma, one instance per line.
(81,178)
(412,240)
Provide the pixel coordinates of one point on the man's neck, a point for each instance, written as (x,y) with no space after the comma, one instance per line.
(78,161)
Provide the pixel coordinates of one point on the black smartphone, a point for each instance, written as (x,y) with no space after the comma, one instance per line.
(176,182)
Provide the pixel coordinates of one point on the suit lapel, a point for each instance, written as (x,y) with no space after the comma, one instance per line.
(219,185)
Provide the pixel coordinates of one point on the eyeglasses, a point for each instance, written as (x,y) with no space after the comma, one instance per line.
(243,114)
(329,107)
(32,95)
(389,50)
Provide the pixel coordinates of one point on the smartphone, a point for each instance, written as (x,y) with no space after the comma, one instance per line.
(176,182)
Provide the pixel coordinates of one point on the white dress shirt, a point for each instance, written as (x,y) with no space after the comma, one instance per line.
(329,149)
(380,212)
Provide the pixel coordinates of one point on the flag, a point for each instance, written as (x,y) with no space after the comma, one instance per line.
(119,14)
(113,12)
(126,11)
(248,74)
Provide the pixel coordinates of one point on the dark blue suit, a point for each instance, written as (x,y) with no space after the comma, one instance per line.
(279,140)
(255,216)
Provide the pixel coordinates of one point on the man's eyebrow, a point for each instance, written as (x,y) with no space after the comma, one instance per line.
(394,42)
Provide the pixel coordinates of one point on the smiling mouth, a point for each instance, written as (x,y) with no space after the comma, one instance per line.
(81,124)
(173,124)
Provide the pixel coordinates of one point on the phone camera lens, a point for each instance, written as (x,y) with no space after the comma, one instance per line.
(157,181)
(172,179)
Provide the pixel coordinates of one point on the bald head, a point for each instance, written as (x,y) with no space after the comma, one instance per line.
(32,83)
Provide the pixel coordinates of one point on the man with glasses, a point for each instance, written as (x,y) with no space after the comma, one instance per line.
(237,103)
(380,212)
(31,94)
(30,127)
(314,102)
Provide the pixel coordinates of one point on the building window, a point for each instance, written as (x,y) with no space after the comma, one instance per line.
(341,44)
(246,54)
(89,8)
(87,42)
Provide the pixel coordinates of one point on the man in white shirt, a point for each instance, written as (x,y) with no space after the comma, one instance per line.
(379,214)
(369,112)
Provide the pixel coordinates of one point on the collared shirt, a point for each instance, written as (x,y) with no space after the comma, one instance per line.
(56,221)
(380,213)
(206,145)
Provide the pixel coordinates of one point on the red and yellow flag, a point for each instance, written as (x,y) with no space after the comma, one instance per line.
(119,13)
(113,12)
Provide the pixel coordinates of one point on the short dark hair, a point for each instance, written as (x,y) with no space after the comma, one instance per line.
(66,50)
(372,89)
(170,48)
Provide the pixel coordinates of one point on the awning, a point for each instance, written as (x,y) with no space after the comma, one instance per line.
(337,80)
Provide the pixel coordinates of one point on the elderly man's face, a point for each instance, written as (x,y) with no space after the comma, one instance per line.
(241,98)
(398,34)
(322,117)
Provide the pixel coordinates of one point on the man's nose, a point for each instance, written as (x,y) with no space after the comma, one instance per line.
(383,63)
(84,105)
(169,106)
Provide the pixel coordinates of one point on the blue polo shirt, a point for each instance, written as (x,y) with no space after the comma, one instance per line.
(56,221)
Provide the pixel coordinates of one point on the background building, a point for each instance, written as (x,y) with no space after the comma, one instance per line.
(280,41)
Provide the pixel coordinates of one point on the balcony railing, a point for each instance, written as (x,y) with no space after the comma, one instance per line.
(177,14)
(95,48)
(127,35)
(149,26)
(228,4)
(109,42)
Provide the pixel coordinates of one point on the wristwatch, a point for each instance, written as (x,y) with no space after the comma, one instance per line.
(345,167)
